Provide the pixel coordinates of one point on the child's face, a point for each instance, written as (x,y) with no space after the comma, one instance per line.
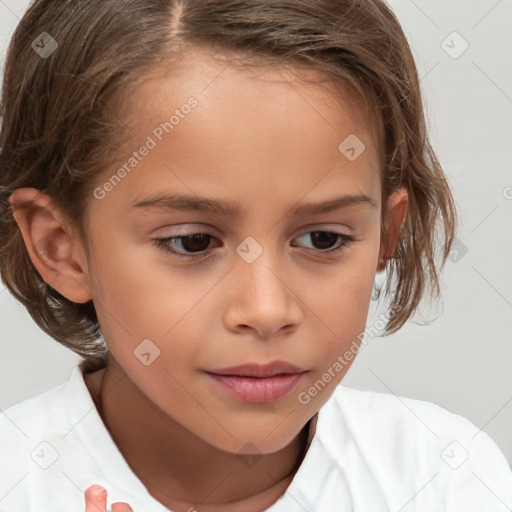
(262,291)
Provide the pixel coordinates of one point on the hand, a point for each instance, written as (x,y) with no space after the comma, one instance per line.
(96,501)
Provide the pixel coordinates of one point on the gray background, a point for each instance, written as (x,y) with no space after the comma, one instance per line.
(462,360)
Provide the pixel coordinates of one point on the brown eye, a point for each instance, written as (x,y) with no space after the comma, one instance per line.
(323,241)
(197,242)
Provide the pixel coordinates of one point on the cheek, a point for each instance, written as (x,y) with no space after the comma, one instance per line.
(343,301)
(138,297)
(127,294)
(348,288)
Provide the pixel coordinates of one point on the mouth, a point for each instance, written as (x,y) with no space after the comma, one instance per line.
(254,382)
(259,370)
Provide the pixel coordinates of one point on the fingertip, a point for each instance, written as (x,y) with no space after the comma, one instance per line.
(121,506)
(96,491)
(96,488)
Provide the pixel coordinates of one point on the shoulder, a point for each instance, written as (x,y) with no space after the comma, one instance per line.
(396,412)
(23,420)
(28,426)
(31,434)
(402,439)
(414,423)
(30,416)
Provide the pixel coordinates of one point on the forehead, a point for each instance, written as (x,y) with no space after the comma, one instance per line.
(239,86)
(252,128)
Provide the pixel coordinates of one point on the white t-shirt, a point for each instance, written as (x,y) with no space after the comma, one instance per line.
(370,452)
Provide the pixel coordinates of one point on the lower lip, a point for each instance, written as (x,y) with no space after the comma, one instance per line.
(253,389)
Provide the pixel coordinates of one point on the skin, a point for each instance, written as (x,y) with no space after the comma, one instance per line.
(267,141)
(96,501)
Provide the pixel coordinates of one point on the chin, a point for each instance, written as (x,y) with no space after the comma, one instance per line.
(261,438)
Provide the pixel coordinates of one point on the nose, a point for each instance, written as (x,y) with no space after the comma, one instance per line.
(263,298)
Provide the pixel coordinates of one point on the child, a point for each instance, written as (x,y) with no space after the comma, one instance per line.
(210,380)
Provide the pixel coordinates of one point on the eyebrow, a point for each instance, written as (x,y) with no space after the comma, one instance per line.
(230,209)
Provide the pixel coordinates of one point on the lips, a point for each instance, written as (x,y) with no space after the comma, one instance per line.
(259,370)
(255,382)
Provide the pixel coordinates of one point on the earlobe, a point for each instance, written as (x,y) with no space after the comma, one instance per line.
(397,208)
(47,237)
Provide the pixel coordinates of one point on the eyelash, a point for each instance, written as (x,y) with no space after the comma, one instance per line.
(163,244)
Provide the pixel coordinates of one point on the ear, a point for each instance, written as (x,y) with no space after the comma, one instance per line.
(397,208)
(48,238)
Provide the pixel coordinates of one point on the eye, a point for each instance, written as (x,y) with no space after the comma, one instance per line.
(192,242)
(199,242)
(325,239)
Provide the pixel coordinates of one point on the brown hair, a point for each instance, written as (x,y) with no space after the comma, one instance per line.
(59,115)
